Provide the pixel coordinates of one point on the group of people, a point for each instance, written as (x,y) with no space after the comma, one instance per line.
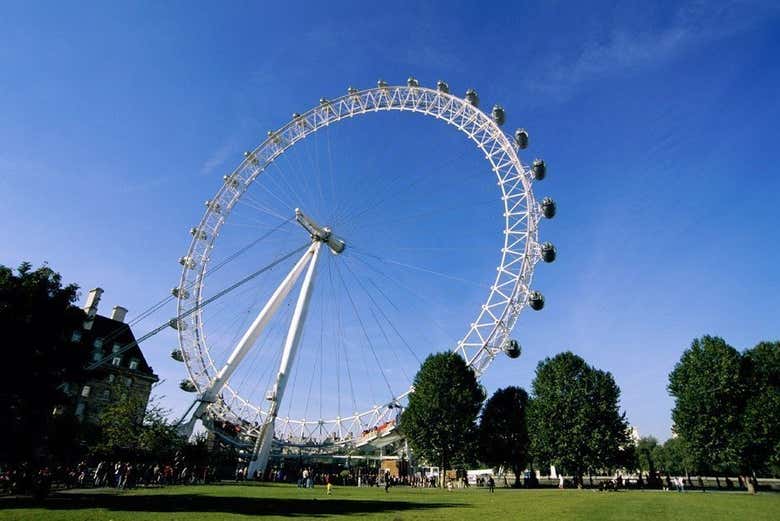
(21,479)
(123,475)
(306,478)
(488,482)
(120,474)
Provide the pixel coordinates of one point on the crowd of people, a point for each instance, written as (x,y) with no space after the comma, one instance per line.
(120,474)
(24,479)
(125,475)
(311,476)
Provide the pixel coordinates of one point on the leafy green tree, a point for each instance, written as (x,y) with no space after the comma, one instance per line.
(37,319)
(644,452)
(671,458)
(120,425)
(503,430)
(647,460)
(758,443)
(159,439)
(709,393)
(440,420)
(129,429)
(574,417)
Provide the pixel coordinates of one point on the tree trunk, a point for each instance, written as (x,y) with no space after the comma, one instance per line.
(516,469)
(532,481)
(749,483)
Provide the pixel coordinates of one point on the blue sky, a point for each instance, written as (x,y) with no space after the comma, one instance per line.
(658,123)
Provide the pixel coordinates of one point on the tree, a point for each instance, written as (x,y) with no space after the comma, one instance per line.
(709,393)
(645,448)
(131,430)
(37,319)
(160,438)
(670,458)
(120,425)
(503,430)
(440,420)
(574,417)
(648,458)
(758,442)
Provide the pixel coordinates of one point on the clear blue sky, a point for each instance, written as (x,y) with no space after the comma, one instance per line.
(659,124)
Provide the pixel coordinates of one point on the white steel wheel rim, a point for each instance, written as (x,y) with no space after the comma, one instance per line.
(485,337)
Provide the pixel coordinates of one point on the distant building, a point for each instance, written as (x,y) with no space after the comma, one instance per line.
(121,373)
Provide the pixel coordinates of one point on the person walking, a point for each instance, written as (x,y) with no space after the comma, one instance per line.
(387,481)
(491,484)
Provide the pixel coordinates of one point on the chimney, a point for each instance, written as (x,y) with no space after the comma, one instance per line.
(119,313)
(91,306)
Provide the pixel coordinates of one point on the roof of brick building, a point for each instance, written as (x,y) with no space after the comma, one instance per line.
(112,332)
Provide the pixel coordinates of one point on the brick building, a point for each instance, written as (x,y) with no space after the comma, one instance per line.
(125,373)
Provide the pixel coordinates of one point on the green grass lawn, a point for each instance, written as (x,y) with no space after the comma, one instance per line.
(233,502)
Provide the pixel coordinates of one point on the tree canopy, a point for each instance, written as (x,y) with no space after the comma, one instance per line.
(646,449)
(574,417)
(440,420)
(129,429)
(503,430)
(727,407)
(37,318)
(671,458)
(708,390)
(759,440)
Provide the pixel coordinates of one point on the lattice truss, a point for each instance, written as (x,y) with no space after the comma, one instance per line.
(485,337)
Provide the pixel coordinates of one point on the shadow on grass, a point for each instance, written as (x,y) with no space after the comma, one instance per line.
(293,507)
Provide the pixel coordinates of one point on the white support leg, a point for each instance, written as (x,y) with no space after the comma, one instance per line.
(249,338)
(262,449)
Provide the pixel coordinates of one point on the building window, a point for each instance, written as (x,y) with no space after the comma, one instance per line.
(106,394)
(76,336)
(128,381)
(98,343)
(85,391)
(134,364)
(96,355)
(116,361)
(111,378)
(115,347)
(80,410)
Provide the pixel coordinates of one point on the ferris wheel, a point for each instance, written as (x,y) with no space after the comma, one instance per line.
(342,258)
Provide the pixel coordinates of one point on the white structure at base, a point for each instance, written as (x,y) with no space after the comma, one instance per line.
(264,440)
(262,449)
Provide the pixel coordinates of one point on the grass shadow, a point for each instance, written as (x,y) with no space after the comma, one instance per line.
(292,507)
